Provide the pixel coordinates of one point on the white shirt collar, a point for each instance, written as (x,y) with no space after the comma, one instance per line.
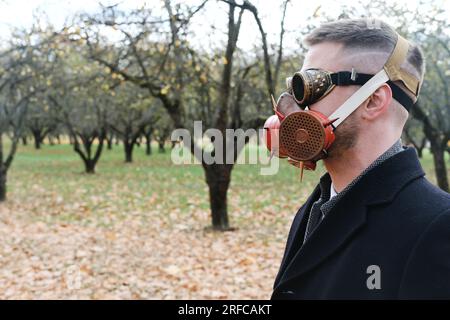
(332,191)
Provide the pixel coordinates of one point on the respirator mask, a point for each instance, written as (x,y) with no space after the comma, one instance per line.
(304,136)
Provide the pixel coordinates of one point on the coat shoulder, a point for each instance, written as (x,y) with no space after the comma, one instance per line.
(420,197)
(427,210)
(428,266)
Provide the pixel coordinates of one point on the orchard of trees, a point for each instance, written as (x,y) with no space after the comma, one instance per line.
(134,76)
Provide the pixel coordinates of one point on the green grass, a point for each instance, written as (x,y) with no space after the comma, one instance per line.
(49,184)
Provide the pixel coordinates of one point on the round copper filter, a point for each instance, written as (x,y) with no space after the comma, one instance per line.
(302,135)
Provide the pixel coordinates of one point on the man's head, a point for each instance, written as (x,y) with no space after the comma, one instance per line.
(364,45)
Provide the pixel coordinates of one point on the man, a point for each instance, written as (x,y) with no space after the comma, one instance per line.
(374,227)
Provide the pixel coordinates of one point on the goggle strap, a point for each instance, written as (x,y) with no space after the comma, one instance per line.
(398,94)
(359,97)
(344,78)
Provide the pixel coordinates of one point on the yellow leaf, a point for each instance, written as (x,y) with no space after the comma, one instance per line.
(165,90)
(203,78)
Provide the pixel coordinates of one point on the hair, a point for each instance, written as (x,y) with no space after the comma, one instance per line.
(372,36)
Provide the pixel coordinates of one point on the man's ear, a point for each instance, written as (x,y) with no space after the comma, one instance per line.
(378,103)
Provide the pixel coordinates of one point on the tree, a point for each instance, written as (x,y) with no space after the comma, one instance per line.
(162,130)
(413,134)
(433,107)
(80,99)
(171,70)
(131,114)
(28,55)
(13,108)
(40,122)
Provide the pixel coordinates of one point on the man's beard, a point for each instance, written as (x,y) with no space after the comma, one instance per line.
(346,137)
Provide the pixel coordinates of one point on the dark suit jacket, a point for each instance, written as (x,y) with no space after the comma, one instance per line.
(393,219)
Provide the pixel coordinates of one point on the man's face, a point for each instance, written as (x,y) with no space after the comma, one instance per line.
(329,56)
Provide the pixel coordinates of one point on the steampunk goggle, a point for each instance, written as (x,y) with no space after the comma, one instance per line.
(311,85)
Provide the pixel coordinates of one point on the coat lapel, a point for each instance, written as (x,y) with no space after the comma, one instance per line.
(335,229)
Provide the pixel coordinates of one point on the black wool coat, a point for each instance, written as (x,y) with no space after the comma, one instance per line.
(388,237)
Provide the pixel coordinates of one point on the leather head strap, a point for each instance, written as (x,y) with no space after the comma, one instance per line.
(392,66)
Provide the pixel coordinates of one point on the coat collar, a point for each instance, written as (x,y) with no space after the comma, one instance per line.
(379,185)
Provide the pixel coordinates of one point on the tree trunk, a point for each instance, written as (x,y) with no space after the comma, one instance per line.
(420,153)
(438,152)
(161,146)
(89,166)
(218,179)
(90,161)
(421,147)
(438,143)
(39,136)
(128,147)
(37,140)
(3,173)
(148,145)
(24,141)
(148,141)
(109,141)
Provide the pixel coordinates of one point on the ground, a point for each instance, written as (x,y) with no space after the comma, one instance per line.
(139,231)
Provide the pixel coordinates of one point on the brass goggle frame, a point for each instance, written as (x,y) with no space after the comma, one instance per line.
(309,86)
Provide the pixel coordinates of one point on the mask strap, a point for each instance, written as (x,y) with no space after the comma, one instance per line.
(393,69)
(359,97)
